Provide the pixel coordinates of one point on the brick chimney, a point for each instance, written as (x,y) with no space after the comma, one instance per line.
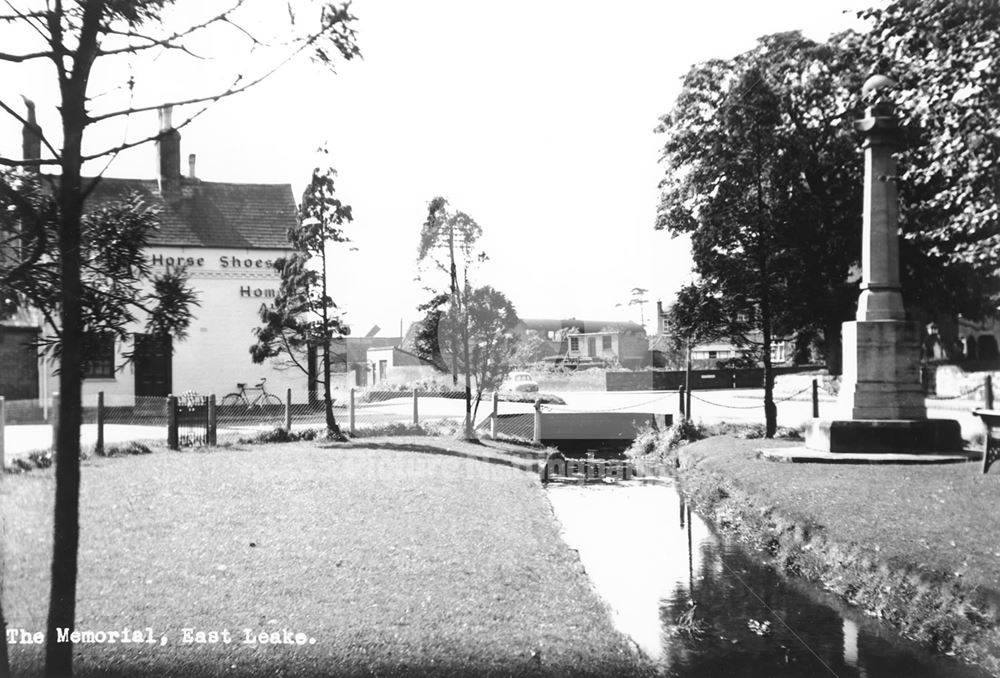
(168,149)
(31,135)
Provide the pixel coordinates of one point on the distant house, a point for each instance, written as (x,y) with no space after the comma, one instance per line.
(612,341)
(960,339)
(708,354)
(350,354)
(393,365)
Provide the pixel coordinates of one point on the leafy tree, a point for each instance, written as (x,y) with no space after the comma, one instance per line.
(736,221)
(696,316)
(944,56)
(303,317)
(531,348)
(73,38)
(812,86)
(447,244)
(425,339)
(117,286)
(489,342)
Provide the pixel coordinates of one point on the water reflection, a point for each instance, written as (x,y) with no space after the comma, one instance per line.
(700,606)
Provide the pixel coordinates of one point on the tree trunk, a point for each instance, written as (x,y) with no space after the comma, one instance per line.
(4,656)
(468,368)
(687,380)
(331,421)
(332,429)
(770,409)
(66,530)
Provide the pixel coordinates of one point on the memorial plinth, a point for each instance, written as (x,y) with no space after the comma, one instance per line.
(880,406)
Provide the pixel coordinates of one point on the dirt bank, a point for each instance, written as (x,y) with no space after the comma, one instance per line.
(914,546)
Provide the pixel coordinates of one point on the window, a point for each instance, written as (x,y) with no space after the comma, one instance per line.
(574,343)
(102,359)
(606,343)
(712,355)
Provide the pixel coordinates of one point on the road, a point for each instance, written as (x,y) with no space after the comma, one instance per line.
(709,407)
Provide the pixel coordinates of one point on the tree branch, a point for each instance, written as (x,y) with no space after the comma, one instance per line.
(167,42)
(211,98)
(152,137)
(21,58)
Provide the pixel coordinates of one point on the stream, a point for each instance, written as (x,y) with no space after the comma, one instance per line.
(700,606)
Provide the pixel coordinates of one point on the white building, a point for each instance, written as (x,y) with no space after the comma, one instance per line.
(227,235)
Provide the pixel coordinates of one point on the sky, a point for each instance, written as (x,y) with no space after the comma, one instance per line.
(535,117)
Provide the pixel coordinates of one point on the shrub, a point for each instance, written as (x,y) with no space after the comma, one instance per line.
(124,449)
(280,435)
(684,431)
(546,398)
(393,429)
(662,444)
(442,428)
(751,431)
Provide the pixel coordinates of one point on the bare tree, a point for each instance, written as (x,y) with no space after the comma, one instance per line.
(72,37)
(456,235)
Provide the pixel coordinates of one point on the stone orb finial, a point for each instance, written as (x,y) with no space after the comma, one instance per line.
(876,87)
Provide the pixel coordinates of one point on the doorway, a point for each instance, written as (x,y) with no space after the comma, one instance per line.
(153,359)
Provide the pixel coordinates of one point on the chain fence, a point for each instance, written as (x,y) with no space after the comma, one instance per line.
(110,421)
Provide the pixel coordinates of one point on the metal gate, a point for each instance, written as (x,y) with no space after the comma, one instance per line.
(187,421)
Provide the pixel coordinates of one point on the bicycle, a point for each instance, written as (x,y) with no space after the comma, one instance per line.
(263,398)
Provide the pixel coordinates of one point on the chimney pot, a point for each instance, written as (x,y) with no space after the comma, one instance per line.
(168,148)
(166,118)
(191,160)
(31,134)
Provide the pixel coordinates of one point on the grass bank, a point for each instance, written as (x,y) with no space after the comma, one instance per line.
(915,546)
(389,556)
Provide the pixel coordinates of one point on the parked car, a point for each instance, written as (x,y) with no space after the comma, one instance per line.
(519,382)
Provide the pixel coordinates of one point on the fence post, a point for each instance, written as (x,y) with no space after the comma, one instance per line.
(537,437)
(493,419)
(99,445)
(3,459)
(815,399)
(213,422)
(416,416)
(351,429)
(288,410)
(687,405)
(680,397)
(988,391)
(54,419)
(173,439)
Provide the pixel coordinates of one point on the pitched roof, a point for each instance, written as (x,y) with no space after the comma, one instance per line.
(355,349)
(552,325)
(403,358)
(213,214)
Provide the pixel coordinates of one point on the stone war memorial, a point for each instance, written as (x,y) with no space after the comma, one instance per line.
(881,407)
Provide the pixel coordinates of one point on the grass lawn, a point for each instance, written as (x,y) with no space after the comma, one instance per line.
(390,556)
(941,517)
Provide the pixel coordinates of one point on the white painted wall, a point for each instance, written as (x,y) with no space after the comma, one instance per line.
(215,354)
